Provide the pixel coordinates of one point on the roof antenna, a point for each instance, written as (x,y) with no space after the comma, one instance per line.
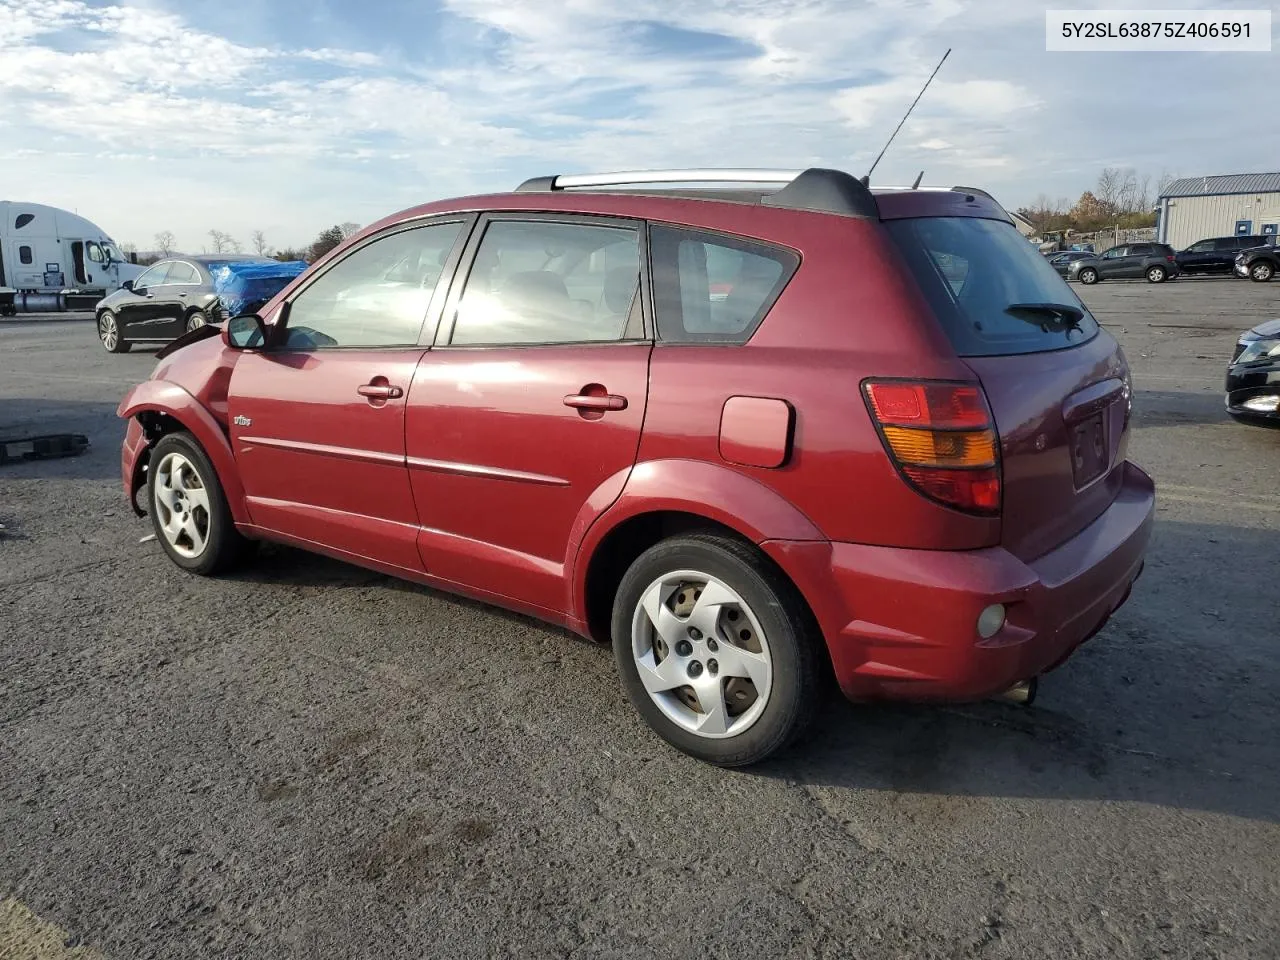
(866,180)
(919,177)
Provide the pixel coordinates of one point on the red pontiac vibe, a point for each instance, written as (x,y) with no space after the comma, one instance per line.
(748,426)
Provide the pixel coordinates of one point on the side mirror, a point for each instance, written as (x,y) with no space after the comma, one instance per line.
(127,285)
(245,332)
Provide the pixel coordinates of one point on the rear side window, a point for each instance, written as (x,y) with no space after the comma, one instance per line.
(992,292)
(23,220)
(709,288)
(182,273)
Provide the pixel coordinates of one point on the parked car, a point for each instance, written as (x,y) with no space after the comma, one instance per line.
(1155,261)
(1253,376)
(683,426)
(170,298)
(1061,261)
(1215,255)
(1259,263)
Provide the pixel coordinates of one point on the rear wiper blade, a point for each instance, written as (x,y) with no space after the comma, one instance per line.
(1065,316)
(1054,309)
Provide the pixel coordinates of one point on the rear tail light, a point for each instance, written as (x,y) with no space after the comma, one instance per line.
(942,439)
(1171,258)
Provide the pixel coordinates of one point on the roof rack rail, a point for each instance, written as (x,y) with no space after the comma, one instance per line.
(817,189)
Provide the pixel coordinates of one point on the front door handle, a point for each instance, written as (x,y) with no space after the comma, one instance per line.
(600,402)
(379,391)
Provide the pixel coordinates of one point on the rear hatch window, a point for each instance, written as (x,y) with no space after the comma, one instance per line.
(993,292)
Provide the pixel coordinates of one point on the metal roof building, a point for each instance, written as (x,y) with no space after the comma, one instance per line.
(1196,208)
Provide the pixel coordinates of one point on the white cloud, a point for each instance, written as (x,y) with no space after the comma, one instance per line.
(148,121)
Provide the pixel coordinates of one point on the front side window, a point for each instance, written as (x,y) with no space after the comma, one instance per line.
(24,254)
(95,252)
(376,296)
(542,282)
(712,288)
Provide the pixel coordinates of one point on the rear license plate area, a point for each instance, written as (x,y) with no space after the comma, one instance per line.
(1089,449)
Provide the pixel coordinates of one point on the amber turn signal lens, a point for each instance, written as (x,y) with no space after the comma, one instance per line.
(942,448)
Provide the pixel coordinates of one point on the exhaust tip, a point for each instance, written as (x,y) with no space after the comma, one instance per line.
(1023,693)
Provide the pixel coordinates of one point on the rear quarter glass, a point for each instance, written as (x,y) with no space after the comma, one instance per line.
(973,270)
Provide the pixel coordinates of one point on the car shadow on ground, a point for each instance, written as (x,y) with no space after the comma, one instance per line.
(1161,408)
(1175,703)
(21,418)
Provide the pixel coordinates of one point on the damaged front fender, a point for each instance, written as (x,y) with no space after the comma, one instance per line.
(157,407)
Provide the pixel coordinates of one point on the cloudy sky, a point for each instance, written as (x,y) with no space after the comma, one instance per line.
(291,115)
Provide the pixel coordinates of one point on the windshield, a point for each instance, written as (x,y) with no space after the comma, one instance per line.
(993,293)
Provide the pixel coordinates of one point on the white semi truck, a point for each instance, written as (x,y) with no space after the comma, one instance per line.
(52,259)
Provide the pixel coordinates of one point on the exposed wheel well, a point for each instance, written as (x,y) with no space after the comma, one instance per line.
(622,545)
(154,426)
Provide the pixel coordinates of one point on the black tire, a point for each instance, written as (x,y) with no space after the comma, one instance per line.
(1088,275)
(1261,272)
(109,333)
(195,320)
(793,641)
(224,547)
(1157,274)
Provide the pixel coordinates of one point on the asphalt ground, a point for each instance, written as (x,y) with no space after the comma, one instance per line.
(310,760)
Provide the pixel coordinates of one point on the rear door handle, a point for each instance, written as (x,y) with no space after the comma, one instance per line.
(586,401)
(379,391)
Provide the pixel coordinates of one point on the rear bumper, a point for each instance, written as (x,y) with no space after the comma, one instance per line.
(901,624)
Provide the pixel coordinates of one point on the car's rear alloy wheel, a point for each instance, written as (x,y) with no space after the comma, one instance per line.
(196,321)
(1261,272)
(1088,275)
(109,333)
(1157,274)
(715,649)
(188,509)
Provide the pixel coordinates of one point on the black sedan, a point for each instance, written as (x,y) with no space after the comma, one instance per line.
(1062,261)
(169,299)
(1253,376)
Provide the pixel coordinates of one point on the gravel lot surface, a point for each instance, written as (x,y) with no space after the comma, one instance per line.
(309,760)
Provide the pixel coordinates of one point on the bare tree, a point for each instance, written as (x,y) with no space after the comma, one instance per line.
(260,245)
(1163,183)
(1107,194)
(1143,196)
(223,242)
(164,241)
(349,229)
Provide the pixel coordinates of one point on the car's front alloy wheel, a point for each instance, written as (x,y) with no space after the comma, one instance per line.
(196,321)
(1088,275)
(109,333)
(715,649)
(188,508)
(1261,272)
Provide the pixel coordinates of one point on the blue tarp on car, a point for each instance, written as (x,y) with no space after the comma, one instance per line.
(243,287)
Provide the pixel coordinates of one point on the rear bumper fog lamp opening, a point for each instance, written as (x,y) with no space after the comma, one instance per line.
(990,621)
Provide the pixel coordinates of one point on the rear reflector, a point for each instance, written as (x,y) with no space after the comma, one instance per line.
(942,438)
